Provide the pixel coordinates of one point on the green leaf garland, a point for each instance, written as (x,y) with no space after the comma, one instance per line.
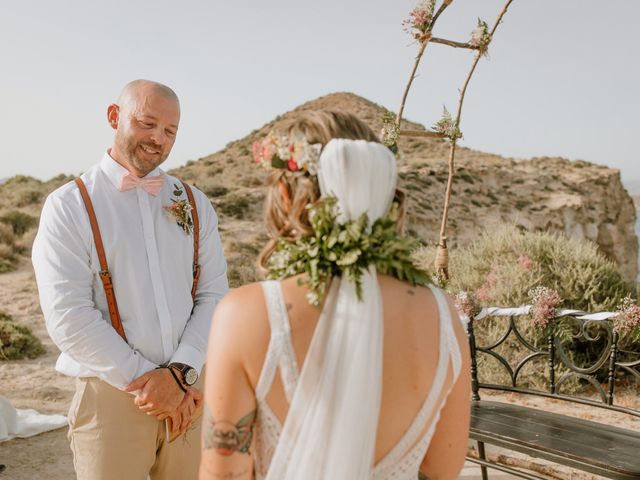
(334,250)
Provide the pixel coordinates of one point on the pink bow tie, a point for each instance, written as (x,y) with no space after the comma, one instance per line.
(151,185)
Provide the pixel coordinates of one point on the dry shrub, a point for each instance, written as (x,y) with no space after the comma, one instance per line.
(233,205)
(241,270)
(6,258)
(506,262)
(16,341)
(7,248)
(19,221)
(25,242)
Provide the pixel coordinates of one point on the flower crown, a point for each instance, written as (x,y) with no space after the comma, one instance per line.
(292,153)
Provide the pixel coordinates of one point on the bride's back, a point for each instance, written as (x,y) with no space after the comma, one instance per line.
(330,433)
(410,355)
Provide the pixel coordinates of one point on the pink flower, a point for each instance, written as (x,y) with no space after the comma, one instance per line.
(476,38)
(263,151)
(545,303)
(172,208)
(467,304)
(483,294)
(628,317)
(293,166)
(419,19)
(525,263)
(256,148)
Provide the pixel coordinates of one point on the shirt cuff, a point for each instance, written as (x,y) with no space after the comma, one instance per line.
(143,367)
(190,356)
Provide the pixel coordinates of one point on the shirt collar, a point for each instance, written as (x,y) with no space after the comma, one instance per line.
(114,171)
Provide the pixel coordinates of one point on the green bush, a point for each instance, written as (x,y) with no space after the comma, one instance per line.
(233,205)
(29,197)
(20,222)
(215,191)
(16,341)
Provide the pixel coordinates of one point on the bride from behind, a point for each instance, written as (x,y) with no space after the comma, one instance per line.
(349,366)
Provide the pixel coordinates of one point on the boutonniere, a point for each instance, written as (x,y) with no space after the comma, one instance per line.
(180,211)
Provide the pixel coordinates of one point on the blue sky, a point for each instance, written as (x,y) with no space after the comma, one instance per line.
(560,80)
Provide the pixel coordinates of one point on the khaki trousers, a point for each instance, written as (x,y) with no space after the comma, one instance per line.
(111,439)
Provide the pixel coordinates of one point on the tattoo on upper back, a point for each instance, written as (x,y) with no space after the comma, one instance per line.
(225,437)
(422,476)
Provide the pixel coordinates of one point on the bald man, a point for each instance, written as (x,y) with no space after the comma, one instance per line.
(129,301)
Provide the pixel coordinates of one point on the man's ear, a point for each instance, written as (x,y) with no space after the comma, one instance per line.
(113,115)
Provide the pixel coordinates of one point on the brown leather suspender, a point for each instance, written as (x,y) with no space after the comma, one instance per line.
(105,276)
(196,240)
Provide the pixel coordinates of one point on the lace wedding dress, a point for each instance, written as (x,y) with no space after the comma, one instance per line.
(403,461)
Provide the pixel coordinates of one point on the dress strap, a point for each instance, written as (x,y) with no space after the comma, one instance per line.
(446,324)
(274,349)
(280,350)
(288,364)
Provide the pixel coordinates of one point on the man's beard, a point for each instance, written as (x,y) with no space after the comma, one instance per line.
(131,151)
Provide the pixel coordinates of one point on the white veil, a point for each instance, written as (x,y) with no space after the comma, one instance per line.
(330,430)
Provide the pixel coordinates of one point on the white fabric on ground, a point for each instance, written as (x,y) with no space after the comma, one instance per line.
(22,423)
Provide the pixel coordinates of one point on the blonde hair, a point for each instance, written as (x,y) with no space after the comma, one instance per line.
(286,214)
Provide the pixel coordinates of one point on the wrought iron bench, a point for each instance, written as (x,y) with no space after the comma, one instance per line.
(579,444)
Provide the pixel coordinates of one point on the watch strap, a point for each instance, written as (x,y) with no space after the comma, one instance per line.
(173,373)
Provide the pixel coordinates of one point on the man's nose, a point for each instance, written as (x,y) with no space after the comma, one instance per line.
(159,136)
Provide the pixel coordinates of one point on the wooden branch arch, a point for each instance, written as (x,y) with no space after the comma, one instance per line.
(442,256)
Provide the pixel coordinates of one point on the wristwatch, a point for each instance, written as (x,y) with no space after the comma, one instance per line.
(189,374)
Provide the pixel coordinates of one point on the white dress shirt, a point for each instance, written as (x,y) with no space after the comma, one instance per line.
(150,259)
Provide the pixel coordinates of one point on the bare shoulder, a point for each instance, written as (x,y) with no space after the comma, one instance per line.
(241,302)
(240,311)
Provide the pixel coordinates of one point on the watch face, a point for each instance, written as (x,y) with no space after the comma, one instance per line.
(191,376)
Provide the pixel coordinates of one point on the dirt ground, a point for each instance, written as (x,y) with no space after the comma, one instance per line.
(33,384)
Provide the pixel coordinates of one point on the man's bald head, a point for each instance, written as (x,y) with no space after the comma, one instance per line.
(137,90)
(145,119)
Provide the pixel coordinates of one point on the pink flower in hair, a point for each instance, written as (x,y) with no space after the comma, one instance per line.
(263,151)
(257,150)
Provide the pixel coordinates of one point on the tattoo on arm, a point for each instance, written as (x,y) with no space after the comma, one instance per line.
(422,476)
(225,437)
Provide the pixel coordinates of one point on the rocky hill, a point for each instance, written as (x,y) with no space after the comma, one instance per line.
(583,200)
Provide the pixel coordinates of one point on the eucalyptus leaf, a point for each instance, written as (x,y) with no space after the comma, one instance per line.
(346,249)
